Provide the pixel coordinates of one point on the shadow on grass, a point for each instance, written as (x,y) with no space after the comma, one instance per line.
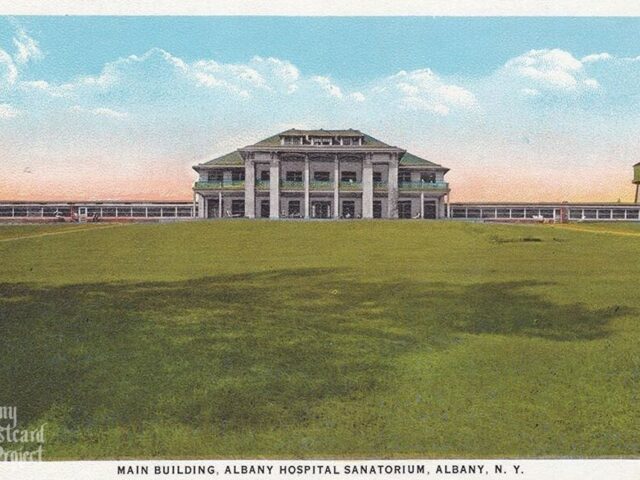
(254,351)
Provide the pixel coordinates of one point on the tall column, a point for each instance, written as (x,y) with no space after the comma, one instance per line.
(220,205)
(249,189)
(392,187)
(367,186)
(336,187)
(422,205)
(202,208)
(274,188)
(306,186)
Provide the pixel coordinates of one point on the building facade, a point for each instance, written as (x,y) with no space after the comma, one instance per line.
(320,174)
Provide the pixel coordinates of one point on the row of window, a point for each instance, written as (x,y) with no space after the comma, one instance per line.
(574,213)
(322,141)
(319,176)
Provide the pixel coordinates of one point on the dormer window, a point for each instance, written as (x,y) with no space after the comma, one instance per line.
(321,141)
(351,141)
(292,141)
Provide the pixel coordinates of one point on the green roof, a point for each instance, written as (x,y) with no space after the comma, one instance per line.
(233,158)
(274,141)
(409,159)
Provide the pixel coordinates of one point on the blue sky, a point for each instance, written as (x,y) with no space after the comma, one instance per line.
(518,108)
(347,48)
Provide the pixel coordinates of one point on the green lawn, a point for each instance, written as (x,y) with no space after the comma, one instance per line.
(324,339)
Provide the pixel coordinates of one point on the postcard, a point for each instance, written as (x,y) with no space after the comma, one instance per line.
(291,241)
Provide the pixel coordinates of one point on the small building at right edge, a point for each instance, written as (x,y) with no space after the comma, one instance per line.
(321,174)
(636,180)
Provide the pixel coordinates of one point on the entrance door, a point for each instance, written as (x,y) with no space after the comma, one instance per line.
(430,209)
(321,209)
(264,209)
(404,209)
(213,209)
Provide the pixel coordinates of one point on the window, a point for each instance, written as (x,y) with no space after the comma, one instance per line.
(404,176)
(237,208)
(265,175)
(215,176)
(377,177)
(429,209)
(428,177)
(264,209)
(348,176)
(321,176)
(377,209)
(404,209)
(293,140)
(321,141)
(350,141)
(348,209)
(237,175)
(294,208)
(294,176)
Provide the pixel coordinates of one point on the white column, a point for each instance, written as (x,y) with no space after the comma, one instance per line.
(202,211)
(306,186)
(422,205)
(249,189)
(220,211)
(367,186)
(274,188)
(336,187)
(392,187)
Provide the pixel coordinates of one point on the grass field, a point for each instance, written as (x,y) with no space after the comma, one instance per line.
(323,339)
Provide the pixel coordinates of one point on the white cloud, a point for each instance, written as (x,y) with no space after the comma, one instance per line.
(99,112)
(7,111)
(596,57)
(357,96)
(325,84)
(8,70)
(27,48)
(425,91)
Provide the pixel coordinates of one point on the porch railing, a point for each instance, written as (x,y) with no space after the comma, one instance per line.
(350,185)
(423,185)
(225,184)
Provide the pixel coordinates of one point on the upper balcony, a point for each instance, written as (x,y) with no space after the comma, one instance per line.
(220,185)
(422,186)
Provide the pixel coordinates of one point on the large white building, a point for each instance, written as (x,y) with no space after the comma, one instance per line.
(320,174)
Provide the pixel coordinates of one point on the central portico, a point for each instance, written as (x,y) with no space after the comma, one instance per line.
(320,174)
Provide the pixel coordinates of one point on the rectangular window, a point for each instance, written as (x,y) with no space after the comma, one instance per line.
(294,208)
(237,208)
(265,175)
(350,141)
(404,176)
(377,209)
(264,209)
(215,176)
(377,177)
(347,176)
(237,175)
(292,140)
(428,177)
(348,209)
(429,209)
(321,141)
(321,176)
(294,176)
(404,209)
